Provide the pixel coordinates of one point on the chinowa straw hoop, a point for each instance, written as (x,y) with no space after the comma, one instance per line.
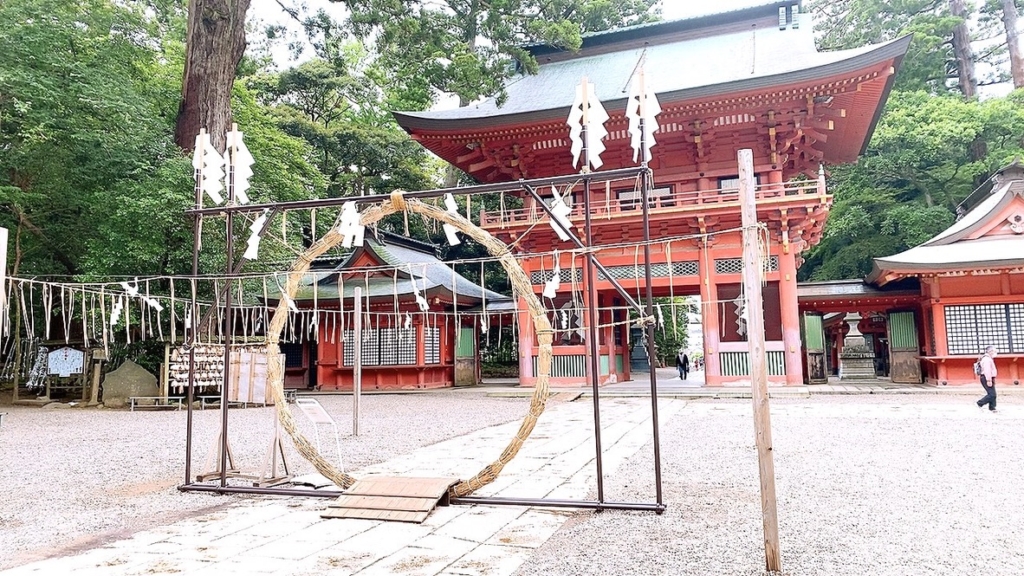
(521,287)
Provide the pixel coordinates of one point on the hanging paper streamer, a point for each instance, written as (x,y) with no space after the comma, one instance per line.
(420,300)
(242,162)
(551,286)
(642,105)
(252,251)
(133,291)
(349,226)
(588,112)
(210,165)
(661,317)
(115,313)
(561,213)
(449,230)
(408,321)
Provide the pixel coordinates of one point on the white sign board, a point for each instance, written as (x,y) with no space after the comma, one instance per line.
(65,362)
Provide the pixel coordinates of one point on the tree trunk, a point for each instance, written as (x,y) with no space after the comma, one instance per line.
(214,47)
(962,51)
(1010,24)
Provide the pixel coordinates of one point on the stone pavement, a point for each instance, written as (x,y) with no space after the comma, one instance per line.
(286,536)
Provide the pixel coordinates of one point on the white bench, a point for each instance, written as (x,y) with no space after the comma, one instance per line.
(158,402)
(2,414)
(205,401)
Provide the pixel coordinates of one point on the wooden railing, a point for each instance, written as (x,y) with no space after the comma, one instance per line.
(627,203)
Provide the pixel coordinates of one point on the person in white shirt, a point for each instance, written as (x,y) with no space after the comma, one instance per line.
(988,379)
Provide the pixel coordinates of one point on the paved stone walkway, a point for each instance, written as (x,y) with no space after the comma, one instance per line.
(286,536)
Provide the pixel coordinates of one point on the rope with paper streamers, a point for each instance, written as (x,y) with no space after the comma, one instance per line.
(521,286)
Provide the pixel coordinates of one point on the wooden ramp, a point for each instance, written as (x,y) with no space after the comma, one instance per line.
(390,498)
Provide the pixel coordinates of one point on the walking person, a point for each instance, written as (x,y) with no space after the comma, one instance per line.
(988,378)
(683,364)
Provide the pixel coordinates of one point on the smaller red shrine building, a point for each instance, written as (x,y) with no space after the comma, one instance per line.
(927,313)
(972,286)
(403,346)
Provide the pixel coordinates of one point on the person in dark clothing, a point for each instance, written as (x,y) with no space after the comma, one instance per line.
(988,379)
(683,364)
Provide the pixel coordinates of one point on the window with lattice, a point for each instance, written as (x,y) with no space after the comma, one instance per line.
(972,328)
(382,347)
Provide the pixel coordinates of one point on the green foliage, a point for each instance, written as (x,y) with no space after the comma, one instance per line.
(77,118)
(927,155)
(929,64)
(341,111)
(467,48)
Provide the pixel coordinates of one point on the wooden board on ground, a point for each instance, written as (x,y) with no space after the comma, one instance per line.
(390,498)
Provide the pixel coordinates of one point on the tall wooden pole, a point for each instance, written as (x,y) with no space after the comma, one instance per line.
(357,357)
(758,366)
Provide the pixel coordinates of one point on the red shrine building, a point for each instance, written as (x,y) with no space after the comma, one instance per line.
(748,79)
(414,306)
(971,286)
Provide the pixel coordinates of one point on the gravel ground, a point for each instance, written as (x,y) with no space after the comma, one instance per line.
(867,485)
(74,478)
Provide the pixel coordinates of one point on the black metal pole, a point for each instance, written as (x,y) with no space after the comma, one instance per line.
(588,271)
(228,311)
(645,194)
(553,503)
(258,490)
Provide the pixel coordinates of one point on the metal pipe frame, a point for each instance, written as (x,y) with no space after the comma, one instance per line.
(645,193)
(258,490)
(555,503)
(619,174)
(591,262)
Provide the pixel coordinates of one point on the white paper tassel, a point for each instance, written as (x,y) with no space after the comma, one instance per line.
(242,161)
(642,104)
(253,244)
(596,116)
(449,230)
(349,226)
(561,213)
(551,286)
(211,167)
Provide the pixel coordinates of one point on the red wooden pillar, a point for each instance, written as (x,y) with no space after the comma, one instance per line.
(526,343)
(709,313)
(939,329)
(790,316)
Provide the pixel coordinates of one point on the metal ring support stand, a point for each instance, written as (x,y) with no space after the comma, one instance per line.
(529,186)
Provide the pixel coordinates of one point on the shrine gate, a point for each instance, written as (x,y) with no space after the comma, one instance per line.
(750,78)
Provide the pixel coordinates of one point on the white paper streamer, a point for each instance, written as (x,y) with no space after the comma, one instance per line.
(449,230)
(596,116)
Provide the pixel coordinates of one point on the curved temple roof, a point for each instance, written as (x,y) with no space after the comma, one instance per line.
(681,65)
(982,239)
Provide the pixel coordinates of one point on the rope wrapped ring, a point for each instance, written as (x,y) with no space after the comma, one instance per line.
(521,287)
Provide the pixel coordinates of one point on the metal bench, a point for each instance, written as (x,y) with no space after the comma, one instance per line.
(205,401)
(158,402)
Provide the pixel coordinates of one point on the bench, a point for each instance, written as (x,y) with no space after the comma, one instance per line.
(205,401)
(158,402)
(2,414)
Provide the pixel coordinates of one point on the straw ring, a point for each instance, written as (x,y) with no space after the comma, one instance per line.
(521,286)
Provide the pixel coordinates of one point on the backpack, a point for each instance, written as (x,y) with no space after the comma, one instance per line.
(977,367)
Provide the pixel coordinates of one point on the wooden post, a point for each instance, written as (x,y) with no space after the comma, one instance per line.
(165,372)
(758,365)
(357,356)
(94,398)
